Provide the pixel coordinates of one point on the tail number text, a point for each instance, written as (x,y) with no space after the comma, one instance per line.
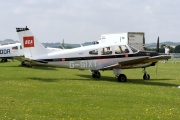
(83,64)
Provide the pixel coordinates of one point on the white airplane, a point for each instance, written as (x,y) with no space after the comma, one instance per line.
(111,56)
(10,51)
(14,50)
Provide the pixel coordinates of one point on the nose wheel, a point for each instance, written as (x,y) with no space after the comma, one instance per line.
(146,76)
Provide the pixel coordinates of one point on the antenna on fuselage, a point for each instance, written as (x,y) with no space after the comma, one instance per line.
(157,50)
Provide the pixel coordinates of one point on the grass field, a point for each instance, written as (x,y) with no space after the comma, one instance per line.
(70,94)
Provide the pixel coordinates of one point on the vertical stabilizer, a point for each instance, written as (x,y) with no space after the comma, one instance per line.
(31,46)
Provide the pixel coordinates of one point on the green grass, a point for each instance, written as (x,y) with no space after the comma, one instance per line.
(70,94)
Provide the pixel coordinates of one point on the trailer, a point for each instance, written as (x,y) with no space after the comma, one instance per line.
(135,39)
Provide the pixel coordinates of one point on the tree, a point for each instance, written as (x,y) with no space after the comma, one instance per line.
(163,45)
(177,49)
(68,47)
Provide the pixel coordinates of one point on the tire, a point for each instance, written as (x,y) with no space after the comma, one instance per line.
(96,74)
(4,60)
(122,78)
(23,64)
(146,76)
(93,75)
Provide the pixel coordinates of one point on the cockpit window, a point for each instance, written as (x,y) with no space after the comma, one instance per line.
(124,49)
(121,49)
(133,49)
(117,50)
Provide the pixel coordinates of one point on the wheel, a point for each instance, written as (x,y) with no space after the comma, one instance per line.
(93,75)
(96,74)
(30,66)
(122,78)
(4,60)
(23,63)
(146,76)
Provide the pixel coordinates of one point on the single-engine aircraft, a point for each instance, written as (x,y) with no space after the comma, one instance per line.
(111,56)
(10,51)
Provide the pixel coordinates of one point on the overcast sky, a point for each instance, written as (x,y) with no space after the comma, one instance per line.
(79,21)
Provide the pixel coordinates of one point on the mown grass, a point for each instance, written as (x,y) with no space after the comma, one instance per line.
(70,94)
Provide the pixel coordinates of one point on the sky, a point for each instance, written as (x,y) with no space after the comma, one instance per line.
(79,21)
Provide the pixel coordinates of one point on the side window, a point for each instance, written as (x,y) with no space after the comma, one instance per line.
(20,47)
(117,50)
(124,49)
(106,51)
(93,52)
(15,48)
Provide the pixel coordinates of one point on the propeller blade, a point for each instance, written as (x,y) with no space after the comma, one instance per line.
(157,48)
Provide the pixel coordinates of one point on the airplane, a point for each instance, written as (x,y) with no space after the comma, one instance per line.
(14,50)
(10,51)
(111,56)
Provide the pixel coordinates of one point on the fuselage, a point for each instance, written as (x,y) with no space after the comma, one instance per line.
(94,57)
(11,50)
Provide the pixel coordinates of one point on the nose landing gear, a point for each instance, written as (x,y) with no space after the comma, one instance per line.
(146,76)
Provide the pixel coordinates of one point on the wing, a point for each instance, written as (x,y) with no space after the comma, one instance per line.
(157,58)
(132,61)
(138,62)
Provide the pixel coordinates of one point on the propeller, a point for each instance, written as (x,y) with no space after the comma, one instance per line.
(157,50)
(157,47)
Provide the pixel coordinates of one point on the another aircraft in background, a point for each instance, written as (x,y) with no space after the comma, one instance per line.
(14,50)
(111,56)
(10,51)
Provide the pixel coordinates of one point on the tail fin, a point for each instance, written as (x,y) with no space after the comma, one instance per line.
(31,46)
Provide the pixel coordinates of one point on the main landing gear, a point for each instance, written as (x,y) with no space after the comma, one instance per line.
(121,77)
(117,72)
(146,76)
(96,74)
(4,60)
